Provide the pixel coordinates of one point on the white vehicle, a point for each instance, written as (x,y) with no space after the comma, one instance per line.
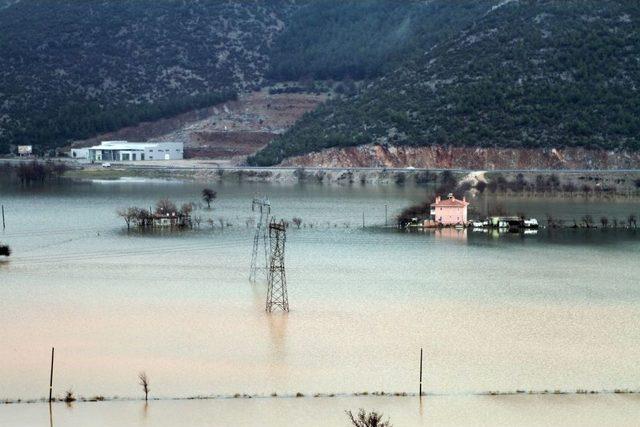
(106,165)
(410,168)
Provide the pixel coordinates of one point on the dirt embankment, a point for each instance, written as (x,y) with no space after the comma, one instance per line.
(231,130)
(467,158)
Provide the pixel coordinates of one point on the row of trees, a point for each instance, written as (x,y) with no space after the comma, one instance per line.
(588,221)
(164,209)
(542,184)
(167,210)
(34,172)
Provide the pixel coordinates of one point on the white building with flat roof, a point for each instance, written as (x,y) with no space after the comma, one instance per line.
(124,151)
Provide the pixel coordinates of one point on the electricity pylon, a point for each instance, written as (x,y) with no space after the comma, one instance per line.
(264,208)
(277,280)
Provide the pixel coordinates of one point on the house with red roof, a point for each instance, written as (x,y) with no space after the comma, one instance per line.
(449,211)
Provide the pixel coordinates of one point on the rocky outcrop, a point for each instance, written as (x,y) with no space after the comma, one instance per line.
(448,157)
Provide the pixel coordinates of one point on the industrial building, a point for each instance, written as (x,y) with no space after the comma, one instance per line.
(124,151)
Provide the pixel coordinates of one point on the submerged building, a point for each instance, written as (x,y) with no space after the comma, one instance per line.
(124,151)
(449,211)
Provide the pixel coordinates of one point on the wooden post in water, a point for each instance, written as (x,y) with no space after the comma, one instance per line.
(3,225)
(420,390)
(51,375)
(362,219)
(385,215)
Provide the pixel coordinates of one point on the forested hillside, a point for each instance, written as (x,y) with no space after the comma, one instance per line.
(488,73)
(527,74)
(357,39)
(73,68)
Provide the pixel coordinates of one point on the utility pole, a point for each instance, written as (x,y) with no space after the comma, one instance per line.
(3,225)
(362,219)
(277,280)
(420,392)
(264,208)
(51,375)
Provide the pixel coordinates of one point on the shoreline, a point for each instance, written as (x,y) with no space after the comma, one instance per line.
(571,183)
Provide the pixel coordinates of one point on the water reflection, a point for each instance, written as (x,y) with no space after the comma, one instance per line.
(145,412)
(277,323)
(453,234)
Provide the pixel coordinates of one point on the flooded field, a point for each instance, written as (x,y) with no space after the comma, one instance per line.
(579,411)
(557,310)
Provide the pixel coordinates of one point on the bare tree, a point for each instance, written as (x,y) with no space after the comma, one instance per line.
(297,221)
(570,188)
(632,220)
(588,221)
(69,396)
(371,419)
(604,221)
(144,382)
(208,196)
(165,206)
(186,209)
(197,219)
(210,222)
(551,221)
(129,214)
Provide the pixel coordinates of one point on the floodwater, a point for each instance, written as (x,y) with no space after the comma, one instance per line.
(548,311)
(455,411)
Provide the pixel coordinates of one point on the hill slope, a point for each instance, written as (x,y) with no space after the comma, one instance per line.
(527,74)
(357,39)
(77,69)
(74,68)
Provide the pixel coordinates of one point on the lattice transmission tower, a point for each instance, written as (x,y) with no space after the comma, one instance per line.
(277,280)
(260,262)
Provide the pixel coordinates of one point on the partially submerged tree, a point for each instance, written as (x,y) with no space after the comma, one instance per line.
(364,419)
(208,196)
(165,206)
(5,250)
(69,396)
(588,221)
(186,209)
(144,382)
(297,221)
(129,215)
(604,221)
